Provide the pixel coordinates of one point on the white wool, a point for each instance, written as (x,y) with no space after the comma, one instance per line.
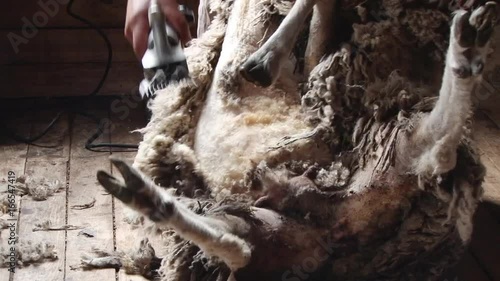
(230,140)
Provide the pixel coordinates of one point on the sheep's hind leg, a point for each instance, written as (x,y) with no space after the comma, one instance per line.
(212,235)
(263,67)
(320,33)
(437,137)
(288,140)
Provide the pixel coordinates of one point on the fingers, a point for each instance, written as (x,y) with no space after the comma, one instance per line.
(177,20)
(140,38)
(137,26)
(137,23)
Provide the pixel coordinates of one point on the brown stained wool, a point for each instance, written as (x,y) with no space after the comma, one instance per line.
(361,99)
(170,160)
(426,26)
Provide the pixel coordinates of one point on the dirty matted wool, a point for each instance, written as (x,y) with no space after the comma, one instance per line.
(168,156)
(365,94)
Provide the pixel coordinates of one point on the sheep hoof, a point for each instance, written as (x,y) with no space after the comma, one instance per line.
(484,19)
(136,193)
(472,31)
(261,68)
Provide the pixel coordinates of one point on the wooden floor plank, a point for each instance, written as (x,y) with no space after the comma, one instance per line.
(84,189)
(486,135)
(13,155)
(84,127)
(128,237)
(101,13)
(48,48)
(490,105)
(49,162)
(55,144)
(485,243)
(71,79)
(33,212)
(488,92)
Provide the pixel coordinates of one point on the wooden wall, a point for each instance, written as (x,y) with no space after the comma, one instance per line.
(64,57)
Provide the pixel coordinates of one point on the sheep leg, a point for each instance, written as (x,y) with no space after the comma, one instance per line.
(435,141)
(203,17)
(263,67)
(212,235)
(320,33)
(287,140)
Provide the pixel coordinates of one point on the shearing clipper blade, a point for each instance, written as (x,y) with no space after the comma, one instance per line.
(164,60)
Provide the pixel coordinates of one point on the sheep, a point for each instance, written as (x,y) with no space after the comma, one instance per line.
(362,175)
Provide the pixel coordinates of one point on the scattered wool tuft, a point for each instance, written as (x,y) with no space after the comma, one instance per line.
(38,188)
(29,253)
(5,204)
(47,226)
(4,224)
(140,261)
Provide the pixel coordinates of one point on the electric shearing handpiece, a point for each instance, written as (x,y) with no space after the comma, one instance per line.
(164,60)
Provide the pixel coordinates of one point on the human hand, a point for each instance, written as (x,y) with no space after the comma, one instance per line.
(137,23)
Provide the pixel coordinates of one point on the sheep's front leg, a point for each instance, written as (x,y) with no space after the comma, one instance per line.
(263,67)
(435,141)
(212,235)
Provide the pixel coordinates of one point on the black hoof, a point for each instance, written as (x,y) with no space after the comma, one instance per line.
(257,73)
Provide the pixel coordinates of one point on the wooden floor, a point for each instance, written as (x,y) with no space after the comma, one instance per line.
(61,155)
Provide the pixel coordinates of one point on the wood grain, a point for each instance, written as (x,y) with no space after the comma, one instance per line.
(127,236)
(83,189)
(64,80)
(62,56)
(479,264)
(104,13)
(51,164)
(51,46)
(33,212)
(54,145)
(486,135)
(13,157)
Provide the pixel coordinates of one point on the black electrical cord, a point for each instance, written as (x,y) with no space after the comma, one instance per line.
(21,139)
(104,37)
(89,144)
